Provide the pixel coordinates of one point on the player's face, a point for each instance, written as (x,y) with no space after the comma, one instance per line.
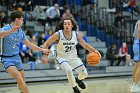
(19,21)
(67,25)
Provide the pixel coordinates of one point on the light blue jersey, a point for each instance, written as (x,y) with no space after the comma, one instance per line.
(10,48)
(136,45)
(12,41)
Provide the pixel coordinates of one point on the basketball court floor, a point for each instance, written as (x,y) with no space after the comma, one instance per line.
(97,85)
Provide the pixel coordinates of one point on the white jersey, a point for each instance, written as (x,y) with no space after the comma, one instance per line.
(66,48)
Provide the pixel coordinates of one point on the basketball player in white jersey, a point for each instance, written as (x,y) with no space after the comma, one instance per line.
(66,53)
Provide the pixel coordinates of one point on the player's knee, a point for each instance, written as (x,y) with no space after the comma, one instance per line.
(69,72)
(18,77)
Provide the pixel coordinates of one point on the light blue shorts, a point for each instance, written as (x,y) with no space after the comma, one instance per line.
(12,61)
(136,50)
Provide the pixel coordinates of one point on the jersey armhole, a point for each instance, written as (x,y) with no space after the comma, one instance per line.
(58,37)
(76,36)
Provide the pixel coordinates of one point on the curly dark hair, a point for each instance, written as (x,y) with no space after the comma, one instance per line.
(61,23)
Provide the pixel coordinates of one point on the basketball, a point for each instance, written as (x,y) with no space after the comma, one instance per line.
(93,58)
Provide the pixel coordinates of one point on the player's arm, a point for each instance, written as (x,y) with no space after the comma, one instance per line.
(50,41)
(84,44)
(5,33)
(139,30)
(35,47)
(54,38)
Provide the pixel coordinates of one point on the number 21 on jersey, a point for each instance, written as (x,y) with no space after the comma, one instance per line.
(68,48)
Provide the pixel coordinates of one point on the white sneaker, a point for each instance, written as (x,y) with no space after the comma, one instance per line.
(135,89)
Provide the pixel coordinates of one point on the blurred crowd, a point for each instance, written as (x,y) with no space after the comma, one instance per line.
(50,16)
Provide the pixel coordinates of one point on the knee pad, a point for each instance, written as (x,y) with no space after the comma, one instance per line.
(69,72)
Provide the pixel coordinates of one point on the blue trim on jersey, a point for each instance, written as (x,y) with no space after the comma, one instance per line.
(57,61)
(55,54)
(66,37)
(58,37)
(76,36)
(61,62)
(78,66)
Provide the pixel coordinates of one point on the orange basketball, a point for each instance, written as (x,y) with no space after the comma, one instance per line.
(93,58)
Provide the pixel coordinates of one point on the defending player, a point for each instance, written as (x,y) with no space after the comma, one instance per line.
(12,35)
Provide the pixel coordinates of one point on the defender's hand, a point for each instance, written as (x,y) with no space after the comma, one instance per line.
(45,51)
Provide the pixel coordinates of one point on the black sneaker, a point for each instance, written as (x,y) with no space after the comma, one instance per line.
(76,90)
(80,83)
(19,89)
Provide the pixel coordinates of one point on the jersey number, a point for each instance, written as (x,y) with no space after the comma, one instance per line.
(68,48)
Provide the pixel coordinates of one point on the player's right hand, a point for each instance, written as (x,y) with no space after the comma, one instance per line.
(15,28)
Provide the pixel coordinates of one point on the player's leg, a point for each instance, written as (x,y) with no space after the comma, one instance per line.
(136,78)
(12,70)
(135,58)
(67,68)
(81,70)
(136,71)
(19,67)
(82,75)
(22,74)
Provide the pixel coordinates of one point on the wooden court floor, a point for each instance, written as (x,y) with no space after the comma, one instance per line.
(97,85)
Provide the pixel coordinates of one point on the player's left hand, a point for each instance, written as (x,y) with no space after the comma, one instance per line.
(44,59)
(98,53)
